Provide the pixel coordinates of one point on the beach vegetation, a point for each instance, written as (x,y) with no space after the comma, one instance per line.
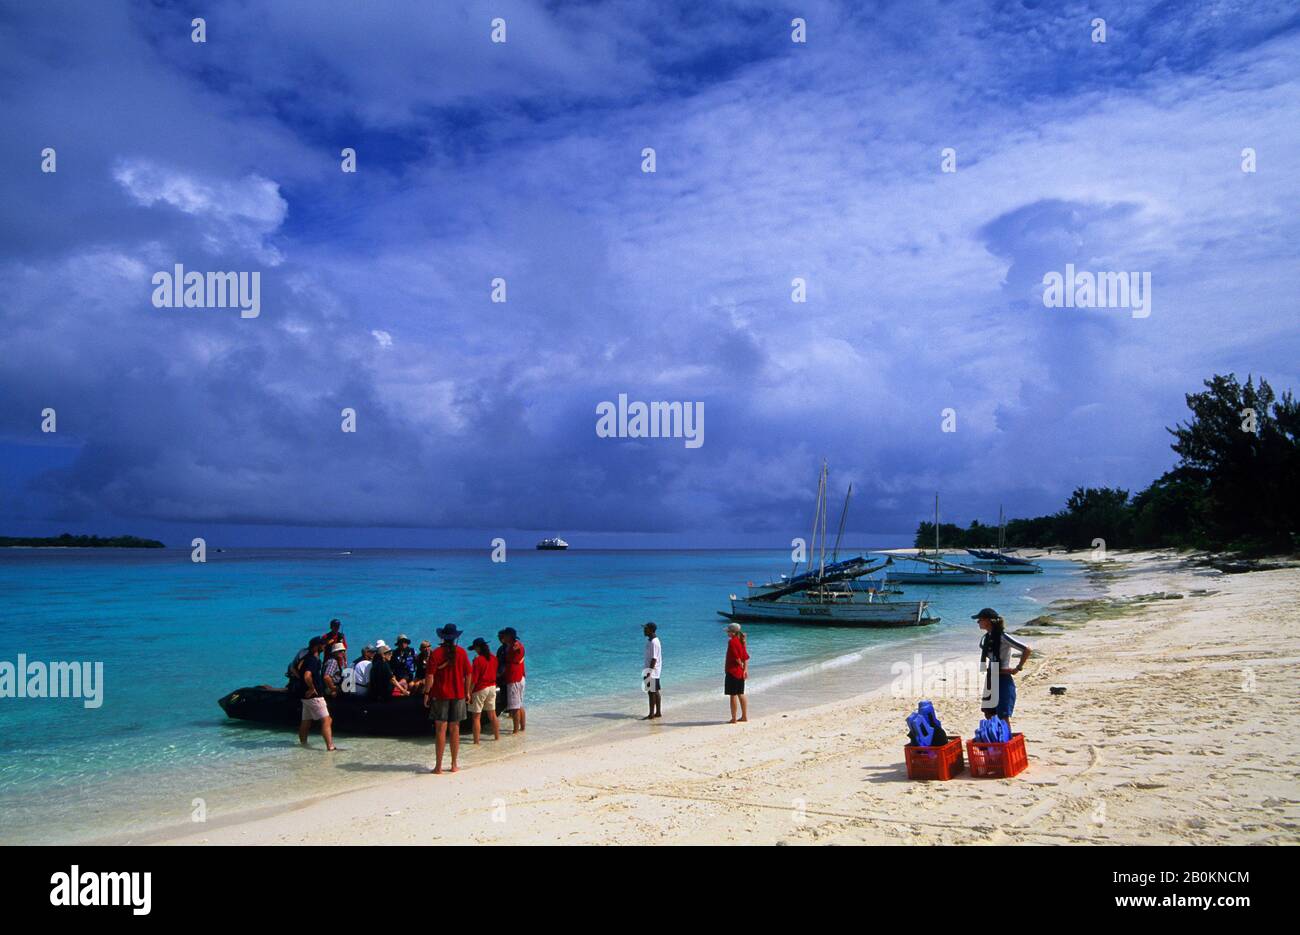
(69,541)
(1235,486)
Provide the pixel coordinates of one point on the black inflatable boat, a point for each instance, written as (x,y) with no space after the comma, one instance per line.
(400,717)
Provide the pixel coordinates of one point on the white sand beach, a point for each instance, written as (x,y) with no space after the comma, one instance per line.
(1178,726)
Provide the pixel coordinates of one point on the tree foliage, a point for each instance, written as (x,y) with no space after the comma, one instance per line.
(1234,486)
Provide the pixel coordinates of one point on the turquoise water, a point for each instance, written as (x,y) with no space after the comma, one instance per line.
(174,636)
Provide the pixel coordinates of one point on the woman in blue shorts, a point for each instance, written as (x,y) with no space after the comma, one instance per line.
(996,648)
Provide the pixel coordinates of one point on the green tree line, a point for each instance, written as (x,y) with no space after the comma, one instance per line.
(1234,487)
(69,541)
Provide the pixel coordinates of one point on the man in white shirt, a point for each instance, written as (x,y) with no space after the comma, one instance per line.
(654,661)
(361,672)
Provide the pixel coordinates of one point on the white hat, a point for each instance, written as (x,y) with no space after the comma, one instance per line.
(380,646)
(338,648)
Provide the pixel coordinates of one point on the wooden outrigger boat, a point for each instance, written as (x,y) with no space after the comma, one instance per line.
(1000,561)
(940,572)
(828,594)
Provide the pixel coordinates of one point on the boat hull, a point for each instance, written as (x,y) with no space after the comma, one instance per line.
(855,614)
(1009,569)
(400,717)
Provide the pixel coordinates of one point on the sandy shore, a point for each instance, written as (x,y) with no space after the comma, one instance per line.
(1178,726)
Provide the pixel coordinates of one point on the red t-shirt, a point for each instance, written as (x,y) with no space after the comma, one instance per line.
(485,672)
(331,638)
(736,655)
(515,663)
(449,680)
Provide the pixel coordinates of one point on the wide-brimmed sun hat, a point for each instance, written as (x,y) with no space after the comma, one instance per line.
(479,641)
(338,648)
(449,632)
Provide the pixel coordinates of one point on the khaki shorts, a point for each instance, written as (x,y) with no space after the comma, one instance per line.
(483,700)
(313,709)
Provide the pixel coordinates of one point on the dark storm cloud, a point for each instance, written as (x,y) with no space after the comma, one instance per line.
(523,161)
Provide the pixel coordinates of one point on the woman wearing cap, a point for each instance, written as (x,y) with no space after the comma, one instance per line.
(996,647)
(484,698)
(737,670)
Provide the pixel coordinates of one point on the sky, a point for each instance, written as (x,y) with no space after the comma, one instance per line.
(523,160)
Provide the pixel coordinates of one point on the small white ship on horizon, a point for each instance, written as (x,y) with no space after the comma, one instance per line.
(553,544)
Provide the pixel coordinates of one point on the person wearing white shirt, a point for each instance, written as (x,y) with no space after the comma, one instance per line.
(654,662)
(361,672)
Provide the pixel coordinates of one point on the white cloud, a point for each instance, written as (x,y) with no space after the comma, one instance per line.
(233,214)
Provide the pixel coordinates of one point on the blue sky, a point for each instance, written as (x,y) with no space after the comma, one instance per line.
(523,160)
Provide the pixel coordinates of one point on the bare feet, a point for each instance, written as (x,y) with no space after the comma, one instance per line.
(455,768)
(742,720)
(732,721)
(437,770)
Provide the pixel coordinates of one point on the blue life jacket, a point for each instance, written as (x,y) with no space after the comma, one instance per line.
(993,730)
(919,729)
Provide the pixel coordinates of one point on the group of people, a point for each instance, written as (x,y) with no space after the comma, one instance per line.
(456,688)
(453,687)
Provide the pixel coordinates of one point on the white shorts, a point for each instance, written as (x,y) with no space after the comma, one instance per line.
(313,709)
(484,700)
(515,695)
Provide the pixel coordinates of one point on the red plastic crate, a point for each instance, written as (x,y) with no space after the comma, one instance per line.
(934,762)
(997,760)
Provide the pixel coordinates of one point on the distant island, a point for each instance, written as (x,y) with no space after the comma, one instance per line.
(69,541)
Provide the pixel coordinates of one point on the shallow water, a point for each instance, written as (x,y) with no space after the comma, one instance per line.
(174,636)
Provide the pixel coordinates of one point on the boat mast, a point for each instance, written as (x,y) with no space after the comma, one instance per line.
(821,496)
(936,525)
(844,514)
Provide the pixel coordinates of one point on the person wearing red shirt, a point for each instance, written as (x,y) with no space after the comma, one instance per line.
(514,678)
(447,687)
(737,669)
(484,697)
